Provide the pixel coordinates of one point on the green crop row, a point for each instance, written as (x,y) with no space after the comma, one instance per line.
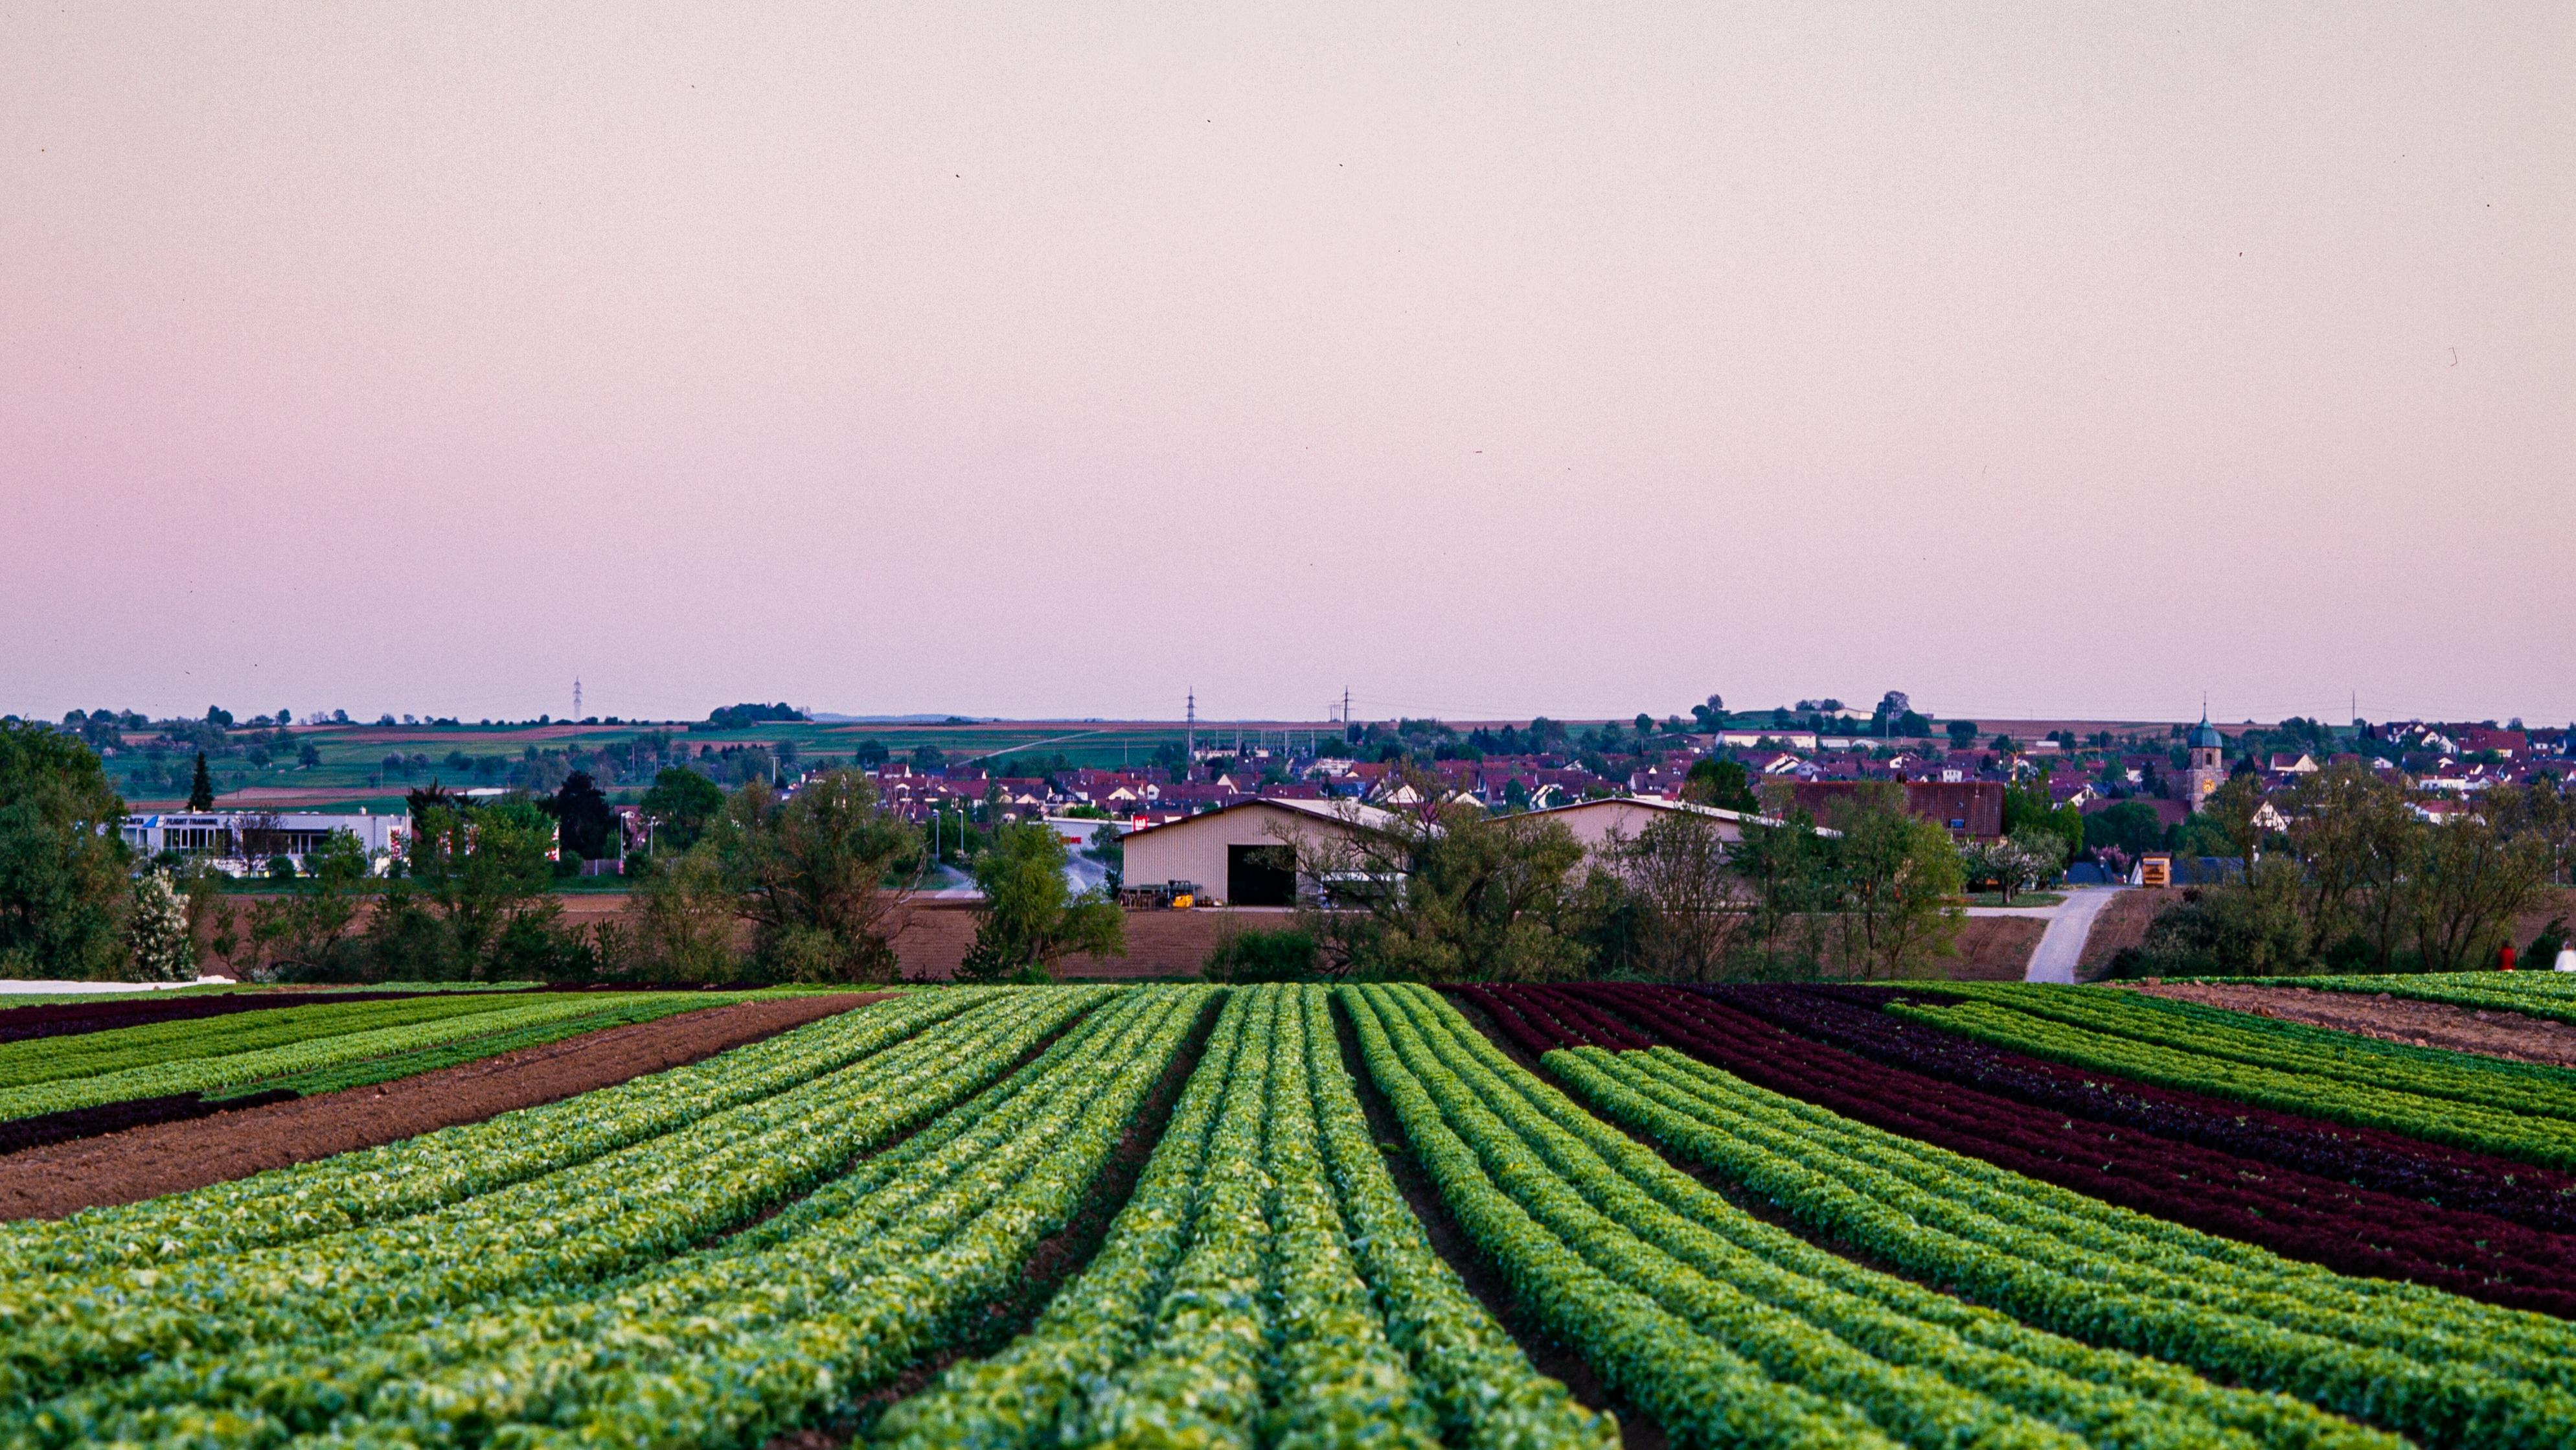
(1732,1331)
(2549,1141)
(772,1327)
(1266,1284)
(2430,1365)
(309,1200)
(2538,993)
(368,1071)
(91,1054)
(609,1216)
(232,1070)
(2495,1082)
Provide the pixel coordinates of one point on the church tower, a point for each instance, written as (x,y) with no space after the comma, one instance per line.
(2207,770)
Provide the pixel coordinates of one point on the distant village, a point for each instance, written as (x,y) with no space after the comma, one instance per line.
(2139,788)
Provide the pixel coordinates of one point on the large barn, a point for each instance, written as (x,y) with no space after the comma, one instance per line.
(1252,853)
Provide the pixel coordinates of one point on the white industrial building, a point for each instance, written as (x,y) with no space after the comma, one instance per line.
(218,836)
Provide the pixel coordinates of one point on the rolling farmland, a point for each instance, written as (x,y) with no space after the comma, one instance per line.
(1283,1215)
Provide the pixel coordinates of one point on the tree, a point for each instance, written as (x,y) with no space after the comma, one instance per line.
(583,819)
(2250,929)
(2234,807)
(1712,781)
(2352,832)
(1787,869)
(201,787)
(2470,880)
(1963,733)
(1446,893)
(1896,886)
(2130,827)
(685,920)
(812,872)
(473,876)
(681,804)
(64,897)
(1031,918)
(1691,902)
(2029,808)
(2027,858)
(305,935)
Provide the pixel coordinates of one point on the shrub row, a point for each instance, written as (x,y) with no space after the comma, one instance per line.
(2319,1220)
(2430,1365)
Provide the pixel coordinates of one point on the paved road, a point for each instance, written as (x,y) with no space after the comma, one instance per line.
(2062,945)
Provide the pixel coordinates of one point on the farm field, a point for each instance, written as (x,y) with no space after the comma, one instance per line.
(349,766)
(75,1070)
(1285,1215)
(2492,1028)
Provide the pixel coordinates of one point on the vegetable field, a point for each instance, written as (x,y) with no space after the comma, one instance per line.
(99,1075)
(1303,1216)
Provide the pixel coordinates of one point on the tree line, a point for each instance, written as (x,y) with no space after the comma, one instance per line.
(2354,879)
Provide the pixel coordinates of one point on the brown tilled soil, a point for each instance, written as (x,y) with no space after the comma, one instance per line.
(2122,923)
(1993,949)
(147,1162)
(2418,1024)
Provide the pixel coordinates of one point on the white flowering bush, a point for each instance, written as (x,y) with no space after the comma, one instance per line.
(157,933)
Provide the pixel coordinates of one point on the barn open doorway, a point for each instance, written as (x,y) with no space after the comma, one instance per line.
(1260,875)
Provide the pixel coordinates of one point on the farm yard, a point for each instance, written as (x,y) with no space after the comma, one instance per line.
(1931,1214)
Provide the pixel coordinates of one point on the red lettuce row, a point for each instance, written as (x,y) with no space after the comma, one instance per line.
(2305,1216)
(45,1129)
(68,1019)
(2457,1178)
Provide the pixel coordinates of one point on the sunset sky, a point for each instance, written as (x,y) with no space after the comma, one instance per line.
(1485,360)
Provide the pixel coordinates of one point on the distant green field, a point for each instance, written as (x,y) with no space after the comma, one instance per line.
(350,772)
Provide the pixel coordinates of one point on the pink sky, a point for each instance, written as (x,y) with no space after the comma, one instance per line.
(1485,360)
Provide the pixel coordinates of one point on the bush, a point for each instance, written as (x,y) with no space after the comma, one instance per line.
(2253,930)
(1287,955)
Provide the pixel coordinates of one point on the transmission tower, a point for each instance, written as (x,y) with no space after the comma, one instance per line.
(576,697)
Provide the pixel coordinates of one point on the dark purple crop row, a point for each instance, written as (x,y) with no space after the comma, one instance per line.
(2301,1215)
(1850,1017)
(46,1129)
(67,1019)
